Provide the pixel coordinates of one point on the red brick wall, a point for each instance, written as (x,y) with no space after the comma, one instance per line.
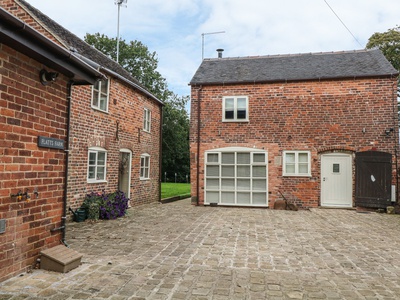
(317,116)
(90,127)
(28,110)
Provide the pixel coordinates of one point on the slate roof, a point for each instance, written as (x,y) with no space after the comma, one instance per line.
(299,67)
(75,44)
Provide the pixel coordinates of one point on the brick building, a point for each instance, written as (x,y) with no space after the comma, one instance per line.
(317,129)
(32,174)
(111,130)
(115,125)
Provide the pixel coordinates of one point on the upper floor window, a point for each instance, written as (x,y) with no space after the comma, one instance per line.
(144,166)
(235,109)
(97,161)
(100,95)
(147,120)
(296,163)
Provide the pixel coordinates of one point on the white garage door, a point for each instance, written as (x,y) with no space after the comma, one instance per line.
(236,176)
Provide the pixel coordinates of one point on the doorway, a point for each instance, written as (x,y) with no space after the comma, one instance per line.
(336,180)
(124,174)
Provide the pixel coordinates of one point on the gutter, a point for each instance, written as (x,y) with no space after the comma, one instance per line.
(16,34)
(198,146)
(160,153)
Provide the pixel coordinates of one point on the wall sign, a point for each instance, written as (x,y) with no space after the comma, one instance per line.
(48,142)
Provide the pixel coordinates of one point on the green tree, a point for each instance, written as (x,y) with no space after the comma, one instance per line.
(175,157)
(389,43)
(135,58)
(142,64)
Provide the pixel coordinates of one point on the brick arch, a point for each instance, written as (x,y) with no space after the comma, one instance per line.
(347,149)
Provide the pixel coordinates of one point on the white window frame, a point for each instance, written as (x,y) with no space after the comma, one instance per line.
(97,88)
(296,164)
(144,168)
(147,120)
(235,109)
(237,190)
(96,165)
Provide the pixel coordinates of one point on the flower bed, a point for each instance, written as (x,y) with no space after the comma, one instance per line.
(105,206)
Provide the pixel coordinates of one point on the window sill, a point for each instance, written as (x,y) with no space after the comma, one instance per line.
(97,181)
(147,131)
(296,175)
(235,121)
(100,110)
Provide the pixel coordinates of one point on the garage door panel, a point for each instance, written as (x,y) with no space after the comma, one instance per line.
(236,177)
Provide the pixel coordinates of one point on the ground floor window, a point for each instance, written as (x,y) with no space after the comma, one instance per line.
(144,166)
(296,163)
(97,160)
(236,176)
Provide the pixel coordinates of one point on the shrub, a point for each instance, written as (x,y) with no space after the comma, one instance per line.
(105,206)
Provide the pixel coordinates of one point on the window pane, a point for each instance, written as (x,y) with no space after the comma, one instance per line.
(259,171)
(259,185)
(243,158)
(243,184)
(104,85)
(303,157)
(228,184)
(141,172)
(147,161)
(212,157)
(228,158)
(212,197)
(243,198)
(146,173)
(336,168)
(100,173)
(103,103)
(241,108)
(228,171)
(290,169)
(212,171)
(212,184)
(229,107)
(303,168)
(290,157)
(229,114)
(229,104)
(243,171)
(101,158)
(95,100)
(259,157)
(241,103)
(241,114)
(92,158)
(259,198)
(92,173)
(227,197)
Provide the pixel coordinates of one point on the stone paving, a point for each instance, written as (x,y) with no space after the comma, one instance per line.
(179,251)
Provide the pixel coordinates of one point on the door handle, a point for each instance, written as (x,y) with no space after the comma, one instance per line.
(324,179)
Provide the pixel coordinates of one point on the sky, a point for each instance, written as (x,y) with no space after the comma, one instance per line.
(176,29)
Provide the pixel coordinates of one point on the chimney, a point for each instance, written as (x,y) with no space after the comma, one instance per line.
(220,52)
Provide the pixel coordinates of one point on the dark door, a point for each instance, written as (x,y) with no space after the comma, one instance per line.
(373,179)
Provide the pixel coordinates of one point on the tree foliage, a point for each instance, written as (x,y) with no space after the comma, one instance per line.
(136,58)
(175,158)
(142,64)
(389,43)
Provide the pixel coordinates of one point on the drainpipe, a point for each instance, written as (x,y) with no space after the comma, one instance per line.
(396,140)
(198,146)
(64,214)
(160,154)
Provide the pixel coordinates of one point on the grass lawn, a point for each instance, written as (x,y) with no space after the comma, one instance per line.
(169,189)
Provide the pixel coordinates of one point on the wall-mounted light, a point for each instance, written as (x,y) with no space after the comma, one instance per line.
(47,77)
(389,131)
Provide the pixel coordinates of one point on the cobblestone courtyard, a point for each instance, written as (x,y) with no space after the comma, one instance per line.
(179,251)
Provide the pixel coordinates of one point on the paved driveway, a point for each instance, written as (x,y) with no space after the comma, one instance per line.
(178,251)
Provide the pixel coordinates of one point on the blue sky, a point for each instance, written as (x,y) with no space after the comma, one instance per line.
(173,29)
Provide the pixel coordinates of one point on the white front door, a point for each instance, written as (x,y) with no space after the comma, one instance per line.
(336,180)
